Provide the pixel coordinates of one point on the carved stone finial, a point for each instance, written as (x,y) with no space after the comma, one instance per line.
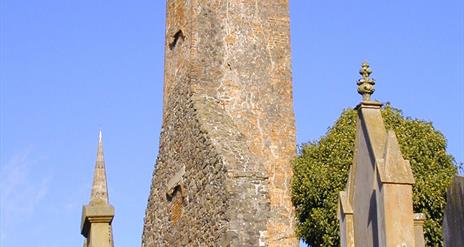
(366,84)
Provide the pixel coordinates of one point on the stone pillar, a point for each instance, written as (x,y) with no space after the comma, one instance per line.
(346,221)
(98,215)
(419,220)
(395,215)
(96,225)
(378,195)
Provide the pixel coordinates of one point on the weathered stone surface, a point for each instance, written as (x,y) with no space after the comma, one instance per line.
(453,221)
(98,215)
(376,207)
(419,220)
(228,122)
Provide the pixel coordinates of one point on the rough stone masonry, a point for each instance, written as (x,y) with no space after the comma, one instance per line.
(222,177)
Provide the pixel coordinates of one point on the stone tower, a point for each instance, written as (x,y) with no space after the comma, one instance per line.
(222,177)
(98,214)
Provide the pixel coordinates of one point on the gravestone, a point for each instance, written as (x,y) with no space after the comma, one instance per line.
(453,221)
(376,207)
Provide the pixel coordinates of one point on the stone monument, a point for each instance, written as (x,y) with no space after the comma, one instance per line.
(376,207)
(98,214)
(453,221)
(222,176)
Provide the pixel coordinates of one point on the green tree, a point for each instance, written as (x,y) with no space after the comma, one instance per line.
(321,171)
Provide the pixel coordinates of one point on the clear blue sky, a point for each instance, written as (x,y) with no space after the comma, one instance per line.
(68,68)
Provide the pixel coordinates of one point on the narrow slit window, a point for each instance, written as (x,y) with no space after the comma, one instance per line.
(178,36)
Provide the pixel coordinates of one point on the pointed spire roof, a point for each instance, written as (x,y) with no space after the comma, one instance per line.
(99,192)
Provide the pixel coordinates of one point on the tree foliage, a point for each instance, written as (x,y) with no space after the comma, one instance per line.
(321,171)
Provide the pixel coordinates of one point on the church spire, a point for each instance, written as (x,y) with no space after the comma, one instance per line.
(97,216)
(99,192)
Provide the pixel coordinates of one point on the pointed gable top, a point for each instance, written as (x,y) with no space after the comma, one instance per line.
(393,168)
(99,192)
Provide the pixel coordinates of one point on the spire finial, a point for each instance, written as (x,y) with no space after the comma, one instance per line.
(99,192)
(366,84)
